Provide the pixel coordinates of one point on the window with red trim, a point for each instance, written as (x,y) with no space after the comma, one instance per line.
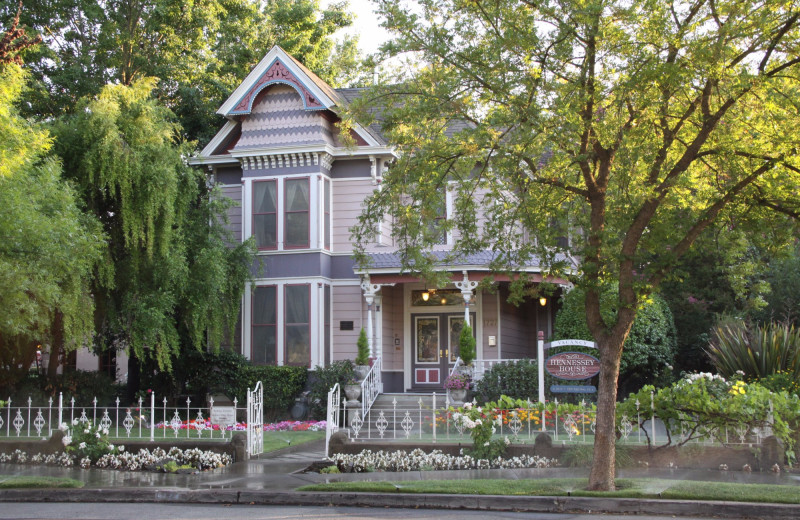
(297,325)
(264,342)
(265,214)
(296,213)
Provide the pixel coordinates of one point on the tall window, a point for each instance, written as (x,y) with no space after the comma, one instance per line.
(265,214)
(265,334)
(297,311)
(296,213)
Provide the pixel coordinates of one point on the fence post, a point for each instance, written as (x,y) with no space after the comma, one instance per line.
(60,407)
(152,416)
(434,416)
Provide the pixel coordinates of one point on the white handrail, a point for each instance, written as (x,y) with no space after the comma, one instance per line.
(332,422)
(371,386)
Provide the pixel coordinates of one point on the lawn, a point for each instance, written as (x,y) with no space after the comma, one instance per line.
(626,488)
(9,482)
(277,440)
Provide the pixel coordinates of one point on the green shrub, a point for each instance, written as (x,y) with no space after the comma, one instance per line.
(518,380)
(757,352)
(323,379)
(281,386)
(466,345)
(362,358)
(83,385)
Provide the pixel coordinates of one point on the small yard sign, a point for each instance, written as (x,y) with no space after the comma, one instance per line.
(223,415)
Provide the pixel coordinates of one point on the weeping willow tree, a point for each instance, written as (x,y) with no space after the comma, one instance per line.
(169,275)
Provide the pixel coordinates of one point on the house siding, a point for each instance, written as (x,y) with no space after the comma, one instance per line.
(348,197)
(517,328)
(347,306)
(234,212)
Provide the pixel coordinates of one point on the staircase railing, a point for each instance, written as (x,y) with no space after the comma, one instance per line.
(371,386)
(334,411)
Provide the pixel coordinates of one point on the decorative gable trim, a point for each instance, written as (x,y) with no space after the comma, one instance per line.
(285,160)
(276,67)
(276,73)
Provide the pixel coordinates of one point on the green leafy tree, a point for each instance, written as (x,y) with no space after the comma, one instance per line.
(200,50)
(633,126)
(48,246)
(169,271)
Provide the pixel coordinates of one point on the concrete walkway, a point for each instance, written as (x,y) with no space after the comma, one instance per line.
(274,478)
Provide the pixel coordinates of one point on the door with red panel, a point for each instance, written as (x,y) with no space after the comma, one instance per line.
(434,349)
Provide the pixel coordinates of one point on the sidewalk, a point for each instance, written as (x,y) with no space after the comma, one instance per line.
(274,478)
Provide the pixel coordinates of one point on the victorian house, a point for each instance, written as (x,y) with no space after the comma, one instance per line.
(298,190)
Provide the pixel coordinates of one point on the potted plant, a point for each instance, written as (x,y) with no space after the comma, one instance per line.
(352,389)
(457,384)
(466,349)
(362,358)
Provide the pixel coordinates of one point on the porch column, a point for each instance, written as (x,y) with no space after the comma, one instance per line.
(466,292)
(370,292)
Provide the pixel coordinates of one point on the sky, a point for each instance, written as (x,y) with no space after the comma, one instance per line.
(366,25)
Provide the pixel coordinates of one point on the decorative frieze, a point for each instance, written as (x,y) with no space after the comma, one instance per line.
(286,160)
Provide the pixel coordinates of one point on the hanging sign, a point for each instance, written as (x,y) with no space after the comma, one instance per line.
(572,366)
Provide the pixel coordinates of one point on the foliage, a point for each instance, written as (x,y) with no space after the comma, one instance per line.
(323,379)
(362,358)
(518,380)
(84,440)
(650,347)
(457,382)
(633,126)
(781,381)
(783,299)
(85,386)
(466,345)
(754,351)
(200,50)
(704,405)
(169,273)
(281,386)
(481,423)
(48,246)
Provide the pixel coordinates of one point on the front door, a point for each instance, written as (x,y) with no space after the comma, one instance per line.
(435,348)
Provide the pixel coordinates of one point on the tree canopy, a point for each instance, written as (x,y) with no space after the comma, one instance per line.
(168,271)
(199,50)
(633,126)
(48,245)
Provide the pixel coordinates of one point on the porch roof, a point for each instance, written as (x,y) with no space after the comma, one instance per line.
(389,266)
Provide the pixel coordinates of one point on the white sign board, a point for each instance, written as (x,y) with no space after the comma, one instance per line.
(223,415)
(572,343)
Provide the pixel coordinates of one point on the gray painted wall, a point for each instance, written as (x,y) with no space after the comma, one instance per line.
(343,169)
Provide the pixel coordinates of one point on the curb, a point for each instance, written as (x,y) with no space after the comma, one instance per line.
(409,500)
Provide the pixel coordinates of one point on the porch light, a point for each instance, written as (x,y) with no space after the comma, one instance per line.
(444,300)
(425,296)
(542,301)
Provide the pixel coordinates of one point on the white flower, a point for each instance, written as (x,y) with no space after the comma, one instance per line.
(121,448)
(82,446)
(63,427)
(87,430)
(75,422)
(110,447)
(486,443)
(97,435)
(507,441)
(105,431)
(66,440)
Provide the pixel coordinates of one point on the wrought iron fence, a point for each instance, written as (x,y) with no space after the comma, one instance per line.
(143,420)
(438,419)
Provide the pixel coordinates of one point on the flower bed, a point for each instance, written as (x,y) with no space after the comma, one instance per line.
(197,459)
(283,426)
(418,460)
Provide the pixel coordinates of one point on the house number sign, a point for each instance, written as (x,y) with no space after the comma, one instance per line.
(572,366)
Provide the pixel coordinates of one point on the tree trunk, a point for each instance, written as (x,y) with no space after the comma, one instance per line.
(601,477)
(56,346)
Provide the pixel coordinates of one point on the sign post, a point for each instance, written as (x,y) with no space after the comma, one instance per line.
(540,358)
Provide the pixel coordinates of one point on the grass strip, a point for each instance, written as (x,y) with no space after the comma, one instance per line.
(278,440)
(626,488)
(7,482)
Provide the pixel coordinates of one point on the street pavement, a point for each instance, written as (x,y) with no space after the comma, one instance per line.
(274,478)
